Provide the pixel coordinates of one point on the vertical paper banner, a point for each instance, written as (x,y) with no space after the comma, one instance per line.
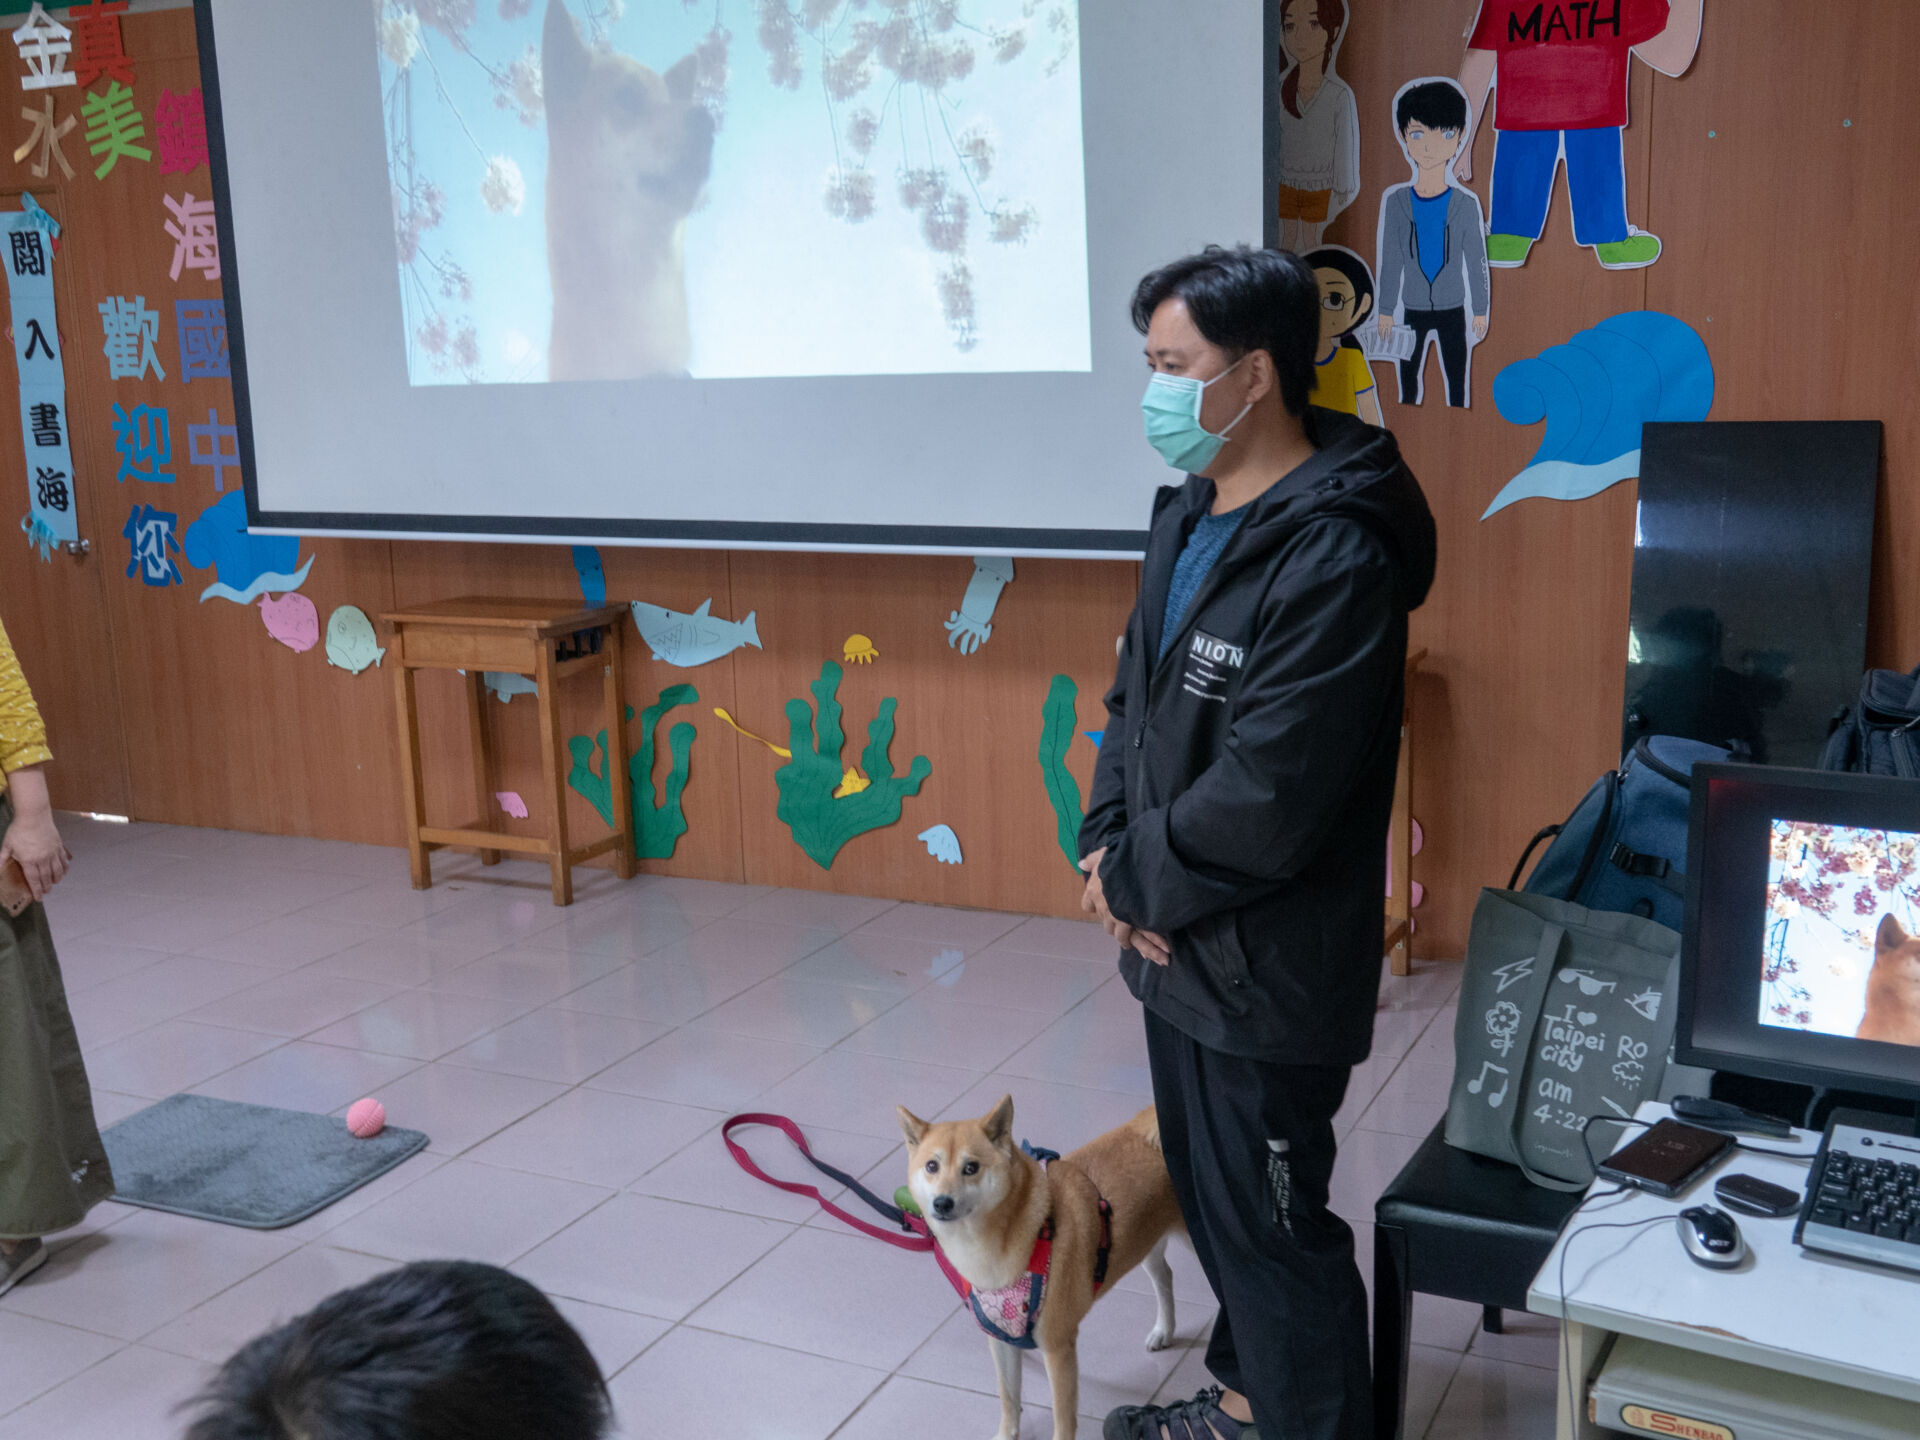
(52,503)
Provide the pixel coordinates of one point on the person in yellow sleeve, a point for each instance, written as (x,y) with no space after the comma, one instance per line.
(1342,378)
(53,1168)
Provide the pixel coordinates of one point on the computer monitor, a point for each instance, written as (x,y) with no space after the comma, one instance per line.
(1800,952)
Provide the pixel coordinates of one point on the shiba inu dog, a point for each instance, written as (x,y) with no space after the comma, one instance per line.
(1893,987)
(1005,1219)
(628,155)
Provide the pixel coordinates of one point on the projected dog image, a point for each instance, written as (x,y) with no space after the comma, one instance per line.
(628,155)
(621,189)
(1840,956)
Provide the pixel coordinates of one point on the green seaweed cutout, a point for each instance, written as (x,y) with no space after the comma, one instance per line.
(1056,734)
(820,823)
(658,823)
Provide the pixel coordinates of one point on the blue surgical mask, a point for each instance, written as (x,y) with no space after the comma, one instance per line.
(1172,410)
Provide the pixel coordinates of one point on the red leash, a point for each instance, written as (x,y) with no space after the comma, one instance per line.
(910,1232)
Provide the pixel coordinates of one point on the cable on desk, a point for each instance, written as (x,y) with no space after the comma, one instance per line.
(1566,1342)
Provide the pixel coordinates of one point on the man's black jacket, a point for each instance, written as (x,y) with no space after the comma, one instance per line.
(1245,781)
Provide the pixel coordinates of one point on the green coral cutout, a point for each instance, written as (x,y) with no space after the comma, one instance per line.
(658,823)
(1056,734)
(820,823)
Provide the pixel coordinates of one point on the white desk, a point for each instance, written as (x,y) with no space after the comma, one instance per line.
(1784,1308)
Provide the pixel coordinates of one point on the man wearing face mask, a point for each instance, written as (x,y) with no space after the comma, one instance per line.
(1235,844)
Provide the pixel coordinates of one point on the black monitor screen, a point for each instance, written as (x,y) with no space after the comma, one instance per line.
(1801,953)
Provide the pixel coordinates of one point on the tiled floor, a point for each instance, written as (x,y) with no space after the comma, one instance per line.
(572,1067)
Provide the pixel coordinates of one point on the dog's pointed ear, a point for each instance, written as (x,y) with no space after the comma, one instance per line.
(683,77)
(911,1126)
(1890,935)
(998,1124)
(563,55)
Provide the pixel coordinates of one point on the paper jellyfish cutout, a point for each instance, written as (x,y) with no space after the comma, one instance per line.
(351,645)
(942,844)
(291,620)
(859,651)
(511,802)
(248,566)
(1595,392)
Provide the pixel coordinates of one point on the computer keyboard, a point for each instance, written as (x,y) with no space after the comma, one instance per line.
(1863,1197)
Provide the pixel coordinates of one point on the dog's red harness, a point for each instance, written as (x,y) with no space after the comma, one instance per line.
(1009,1315)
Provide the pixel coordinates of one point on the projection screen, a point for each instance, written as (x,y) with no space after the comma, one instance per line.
(826,274)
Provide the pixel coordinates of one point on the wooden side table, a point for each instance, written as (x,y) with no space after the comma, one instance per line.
(522,637)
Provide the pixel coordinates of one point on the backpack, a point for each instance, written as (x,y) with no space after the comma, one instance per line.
(1880,735)
(1624,847)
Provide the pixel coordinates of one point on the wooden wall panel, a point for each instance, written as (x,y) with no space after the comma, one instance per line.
(56,611)
(976,717)
(1789,239)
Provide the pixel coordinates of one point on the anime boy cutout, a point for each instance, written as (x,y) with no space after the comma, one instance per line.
(1432,246)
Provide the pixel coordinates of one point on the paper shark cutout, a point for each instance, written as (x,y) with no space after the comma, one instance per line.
(696,639)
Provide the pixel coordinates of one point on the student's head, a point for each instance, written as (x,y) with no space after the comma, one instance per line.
(1431,117)
(443,1350)
(1346,291)
(1257,310)
(1309,29)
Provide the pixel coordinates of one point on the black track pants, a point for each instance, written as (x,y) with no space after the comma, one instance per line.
(1250,1146)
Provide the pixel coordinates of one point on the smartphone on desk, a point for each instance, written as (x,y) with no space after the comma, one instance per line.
(1666,1159)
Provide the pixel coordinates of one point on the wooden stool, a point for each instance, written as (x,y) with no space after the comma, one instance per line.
(477,634)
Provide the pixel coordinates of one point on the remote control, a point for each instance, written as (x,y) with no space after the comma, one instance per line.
(1728,1119)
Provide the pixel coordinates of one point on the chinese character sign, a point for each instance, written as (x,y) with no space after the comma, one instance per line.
(44,45)
(113,124)
(215,446)
(202,329)
(180,129)
(150,533)
(131,331)
(52,514)
(45,137)
(144,443)
(196,244)
(96,30)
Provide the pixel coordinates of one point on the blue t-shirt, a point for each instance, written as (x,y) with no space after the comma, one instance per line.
(1430,230)
(1210,536)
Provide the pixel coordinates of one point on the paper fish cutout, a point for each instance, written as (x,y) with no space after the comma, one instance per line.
(593,576)
(780,750)
(851,783)
(1595,392)
(506,684)
(859,651)
(696,639)
(351,645)
(291,620)
(248,566)
(1096,736)
(511,802)
(942,844)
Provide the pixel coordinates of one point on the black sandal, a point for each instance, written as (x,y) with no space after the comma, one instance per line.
(1200,1418)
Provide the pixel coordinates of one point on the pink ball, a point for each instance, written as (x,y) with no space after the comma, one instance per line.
(366,1118)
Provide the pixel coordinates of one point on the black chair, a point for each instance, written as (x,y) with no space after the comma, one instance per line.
(1456,1225)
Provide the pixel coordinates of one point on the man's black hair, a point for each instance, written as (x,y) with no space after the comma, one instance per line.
(442,1350)
(1334,257)
(1245,300)
(1438,105)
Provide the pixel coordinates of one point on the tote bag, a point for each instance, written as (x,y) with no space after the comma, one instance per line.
(1565,1013)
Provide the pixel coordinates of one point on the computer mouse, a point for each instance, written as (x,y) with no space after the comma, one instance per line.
(1710,1237)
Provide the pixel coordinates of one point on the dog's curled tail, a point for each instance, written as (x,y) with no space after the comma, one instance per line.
(1147,1126)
